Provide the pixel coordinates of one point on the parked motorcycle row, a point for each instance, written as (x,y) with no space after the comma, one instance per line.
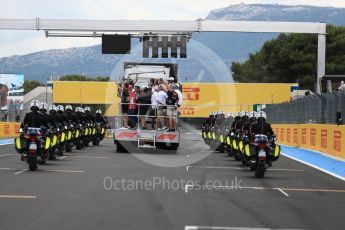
(245,136)
(45,136)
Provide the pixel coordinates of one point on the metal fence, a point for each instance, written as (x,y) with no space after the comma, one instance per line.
(13,112)
(328,108)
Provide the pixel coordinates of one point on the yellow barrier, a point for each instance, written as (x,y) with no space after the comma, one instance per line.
(199,99)
(9,129)
(323,138)
(78,92)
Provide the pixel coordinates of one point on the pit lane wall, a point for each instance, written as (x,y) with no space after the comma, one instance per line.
(9,129)
(319,137)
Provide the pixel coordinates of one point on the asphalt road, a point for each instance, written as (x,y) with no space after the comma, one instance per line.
(97,188)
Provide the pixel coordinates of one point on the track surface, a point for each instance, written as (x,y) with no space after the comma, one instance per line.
(69,193)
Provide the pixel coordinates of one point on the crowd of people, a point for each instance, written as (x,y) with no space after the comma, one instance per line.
(157,102)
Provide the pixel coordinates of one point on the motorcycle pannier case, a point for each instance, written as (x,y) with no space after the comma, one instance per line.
(20,144)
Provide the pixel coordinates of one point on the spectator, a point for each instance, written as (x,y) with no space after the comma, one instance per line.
(124,104)
(132,108)
(171,81)
(144,101)
(342,86)
(171,102)
(162,108)
(154,99)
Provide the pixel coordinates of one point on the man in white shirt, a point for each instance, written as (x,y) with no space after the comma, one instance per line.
(161,106)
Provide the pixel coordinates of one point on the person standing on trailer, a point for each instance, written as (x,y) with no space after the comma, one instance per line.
(154,103)
(132,108)
(162,106)
(124,103)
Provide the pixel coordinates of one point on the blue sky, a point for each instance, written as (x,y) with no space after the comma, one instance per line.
(23,42)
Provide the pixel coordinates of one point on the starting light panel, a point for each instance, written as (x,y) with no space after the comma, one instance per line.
(153,44)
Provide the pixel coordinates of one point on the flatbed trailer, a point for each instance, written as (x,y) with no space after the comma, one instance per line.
(126,139)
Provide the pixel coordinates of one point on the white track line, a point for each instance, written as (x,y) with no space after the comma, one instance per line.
(238,168)
(60,158)
(314,166)
(17,197)
(43,170)
(6,155)
(19,172)
(227,228)
(59,170)
(91,157)
(280,190)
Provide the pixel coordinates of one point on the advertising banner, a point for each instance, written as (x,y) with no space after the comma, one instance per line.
(323,138)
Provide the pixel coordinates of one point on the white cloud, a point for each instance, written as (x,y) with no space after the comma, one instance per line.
(19,42)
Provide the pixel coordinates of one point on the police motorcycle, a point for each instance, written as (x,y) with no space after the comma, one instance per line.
(79,130)
(227,135)
(70,130)
(32,142)
(61,130)
(243,139)
(235,137)
(100,128)
(261,153)
(33,146)
(206,128)
(215,130)
(46,138)
(92,130)
(86,127)
(53,134)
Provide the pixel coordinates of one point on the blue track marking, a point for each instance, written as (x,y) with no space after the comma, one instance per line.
(317,160)
(6,142)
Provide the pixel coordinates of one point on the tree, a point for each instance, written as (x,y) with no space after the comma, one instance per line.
(30,85)
(293,58)
(75,77)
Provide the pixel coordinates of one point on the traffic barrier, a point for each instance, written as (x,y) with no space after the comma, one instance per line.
(9,129)
(319,137)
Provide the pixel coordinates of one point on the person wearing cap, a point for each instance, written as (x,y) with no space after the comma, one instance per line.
(171,81)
